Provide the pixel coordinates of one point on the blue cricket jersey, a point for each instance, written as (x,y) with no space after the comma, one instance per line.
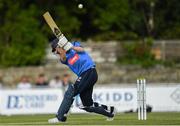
(78,62)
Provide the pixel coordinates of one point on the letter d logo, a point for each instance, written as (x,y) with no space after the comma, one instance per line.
(13,102)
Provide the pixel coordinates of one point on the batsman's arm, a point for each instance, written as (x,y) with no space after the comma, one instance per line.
(78,49)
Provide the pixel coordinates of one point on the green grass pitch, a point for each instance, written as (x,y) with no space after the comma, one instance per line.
(93,119)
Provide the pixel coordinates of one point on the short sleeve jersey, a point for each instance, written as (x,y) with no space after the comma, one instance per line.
(78,62)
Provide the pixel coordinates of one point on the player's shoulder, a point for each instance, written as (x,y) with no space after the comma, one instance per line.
(76,43)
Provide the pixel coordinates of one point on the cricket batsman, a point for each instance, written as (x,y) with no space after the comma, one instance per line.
(77,59)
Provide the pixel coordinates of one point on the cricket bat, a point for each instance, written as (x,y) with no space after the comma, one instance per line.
(49,20)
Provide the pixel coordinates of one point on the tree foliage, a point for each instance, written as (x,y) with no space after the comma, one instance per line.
(24,34)
(22,42)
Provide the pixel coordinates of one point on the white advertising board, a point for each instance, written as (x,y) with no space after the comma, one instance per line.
(164,98)
(30,101)
(43,101)
(160,98)
(124,99)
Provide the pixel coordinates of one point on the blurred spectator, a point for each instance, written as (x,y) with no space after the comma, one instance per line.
(24,83)
(66,81)
(56,82)
(41,81)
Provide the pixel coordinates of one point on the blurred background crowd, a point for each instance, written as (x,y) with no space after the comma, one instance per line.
(41,81)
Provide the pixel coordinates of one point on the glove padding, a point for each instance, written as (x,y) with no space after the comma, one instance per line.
(63,43)
(67,46)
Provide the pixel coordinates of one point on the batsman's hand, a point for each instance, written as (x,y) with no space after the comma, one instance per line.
(63,43)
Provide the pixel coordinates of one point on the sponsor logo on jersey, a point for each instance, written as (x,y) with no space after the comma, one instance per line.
(73,59)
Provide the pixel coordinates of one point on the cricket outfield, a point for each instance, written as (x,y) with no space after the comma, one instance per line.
(168,118)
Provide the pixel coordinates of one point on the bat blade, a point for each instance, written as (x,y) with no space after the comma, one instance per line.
(49,20)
